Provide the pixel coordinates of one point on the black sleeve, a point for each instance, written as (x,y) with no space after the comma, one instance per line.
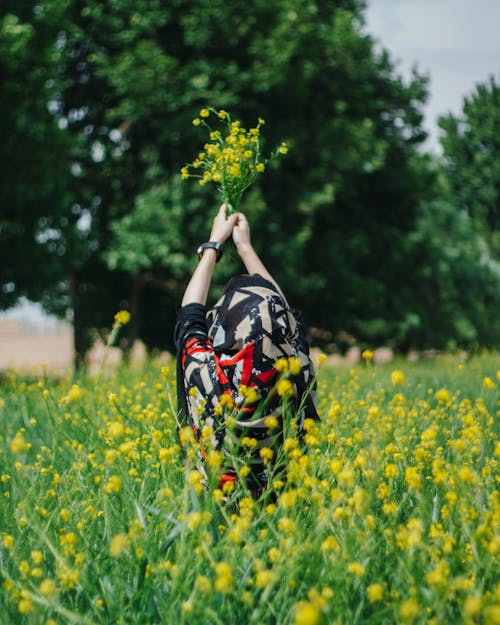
(191,321)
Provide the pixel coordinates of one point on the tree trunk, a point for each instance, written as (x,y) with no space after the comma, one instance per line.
(79,335)
(135,313)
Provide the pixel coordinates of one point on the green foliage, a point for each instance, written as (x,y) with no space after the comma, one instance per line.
(357,133)
(33,150)
(455,274)
(336,221)
(471,149)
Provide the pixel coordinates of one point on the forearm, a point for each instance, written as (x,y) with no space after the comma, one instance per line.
(253,264)
(197,289)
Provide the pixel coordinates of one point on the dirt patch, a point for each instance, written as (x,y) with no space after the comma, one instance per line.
(24,350)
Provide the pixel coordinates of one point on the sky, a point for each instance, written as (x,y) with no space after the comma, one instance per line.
(455,42)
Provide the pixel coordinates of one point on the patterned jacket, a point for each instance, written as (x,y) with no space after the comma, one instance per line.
(226,372)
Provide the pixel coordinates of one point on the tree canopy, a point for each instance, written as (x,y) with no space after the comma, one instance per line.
(105,111)
(471,148)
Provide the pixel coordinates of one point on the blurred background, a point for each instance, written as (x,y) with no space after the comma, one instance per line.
(381,223)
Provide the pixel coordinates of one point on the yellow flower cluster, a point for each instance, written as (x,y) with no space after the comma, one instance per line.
(389,505)
(231,158)
(122,317)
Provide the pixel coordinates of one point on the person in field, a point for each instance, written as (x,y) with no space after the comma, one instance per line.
(232,358)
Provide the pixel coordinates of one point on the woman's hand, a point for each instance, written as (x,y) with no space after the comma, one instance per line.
(222,225)
(241,233)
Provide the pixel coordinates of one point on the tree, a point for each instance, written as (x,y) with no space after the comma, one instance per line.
(130,76)
(33,178)
(456,281)
(471,152)
(338,208)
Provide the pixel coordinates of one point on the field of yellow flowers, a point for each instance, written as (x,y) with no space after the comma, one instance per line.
(390,513)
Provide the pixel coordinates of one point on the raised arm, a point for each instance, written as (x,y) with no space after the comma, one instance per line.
(197,289)
(250,258)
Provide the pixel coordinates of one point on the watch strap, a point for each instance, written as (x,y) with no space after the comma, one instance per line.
(218,247)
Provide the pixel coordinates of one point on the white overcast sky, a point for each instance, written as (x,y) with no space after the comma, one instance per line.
(456,42)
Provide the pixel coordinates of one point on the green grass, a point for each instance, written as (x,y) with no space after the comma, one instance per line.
(390,513)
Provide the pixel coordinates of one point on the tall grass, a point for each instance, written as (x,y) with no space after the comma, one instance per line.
(390,512)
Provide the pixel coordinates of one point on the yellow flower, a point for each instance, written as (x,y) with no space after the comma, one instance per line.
(439,575)
(69,578)
(412,478)
(295,365)
(471,606)
(249,393)
(443,395)
(25,604)
(329,544)
(492,614)
(116,429)
(356,569)
(122,317)
(204,113)
(375,592)
(397,378)
(37,556)
(281,365)
(113,398)
(390,470)
(409,609)
(346,477)
(367,355)
(283,149)
(118,545)
(284,388)
(466,476)
(113,485)
(48,587)
(18,444)
(224,578)
(75,393)
(226,401)
(196,480)
(263,578)
(203,584)
(306,613)
(214,458)
(260,167)
(196,121)
(288,499)
(286,526)
(8,541)
(266,454)
(271,422)
(488,383)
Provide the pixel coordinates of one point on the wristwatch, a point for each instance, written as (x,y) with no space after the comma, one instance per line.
(218,247)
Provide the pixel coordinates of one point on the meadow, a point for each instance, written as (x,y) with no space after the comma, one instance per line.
(390,512)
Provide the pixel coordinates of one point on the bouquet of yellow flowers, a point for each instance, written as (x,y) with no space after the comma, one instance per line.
(231,159)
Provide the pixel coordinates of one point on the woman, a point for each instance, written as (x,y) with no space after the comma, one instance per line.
(230,359)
